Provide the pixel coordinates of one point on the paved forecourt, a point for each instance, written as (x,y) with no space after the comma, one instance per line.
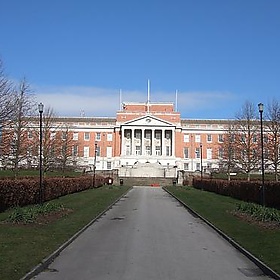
(149,235)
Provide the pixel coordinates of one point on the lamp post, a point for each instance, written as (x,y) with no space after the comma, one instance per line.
(201,169)
(41,109)
(260,105)
(94,167)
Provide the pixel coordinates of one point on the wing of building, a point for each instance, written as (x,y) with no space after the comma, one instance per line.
(145,139)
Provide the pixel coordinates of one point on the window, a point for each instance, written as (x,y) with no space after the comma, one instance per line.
(220,153)
(75,136)
(168,151)
(186,138)
(197,138)
(221,138)
(168,134)
(29,151)
(209,153)
(109,165)
(186,166)
(138,150)
(197,152)
(86,136)
(158,134)
(148,150)
(138,134)
(98,136)
(127,150)
(75,150)
(98,151)
(86,151)
(127,134)
(158,150)
(30,135)
(186,152)
(197,166)
(64,135)
(109,152)
(109,137)
(148,134)
(209,138)
(52,136)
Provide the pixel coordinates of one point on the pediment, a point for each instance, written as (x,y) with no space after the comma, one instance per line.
(148,121)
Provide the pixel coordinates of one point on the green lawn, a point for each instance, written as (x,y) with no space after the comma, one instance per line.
(23,246)
(262,243)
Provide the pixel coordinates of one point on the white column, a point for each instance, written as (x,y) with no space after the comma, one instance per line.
(153,143)
(173,142)
(163,147)
(132,142)
(142,142)
(122,143)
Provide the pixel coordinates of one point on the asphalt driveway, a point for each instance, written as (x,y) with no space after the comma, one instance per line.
(149,235)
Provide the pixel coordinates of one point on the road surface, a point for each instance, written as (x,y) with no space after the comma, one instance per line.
(149,235)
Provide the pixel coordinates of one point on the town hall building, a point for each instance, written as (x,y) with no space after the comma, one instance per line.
(147,140)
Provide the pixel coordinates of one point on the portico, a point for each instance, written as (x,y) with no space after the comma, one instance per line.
(147,137)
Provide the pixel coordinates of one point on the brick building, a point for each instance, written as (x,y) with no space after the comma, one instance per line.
(145,139)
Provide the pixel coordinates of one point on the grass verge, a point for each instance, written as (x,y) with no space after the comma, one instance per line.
(23,246)
(264,243)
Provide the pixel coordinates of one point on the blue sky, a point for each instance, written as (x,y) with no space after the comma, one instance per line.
(77,55)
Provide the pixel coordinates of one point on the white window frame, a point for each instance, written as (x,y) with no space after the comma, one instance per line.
(86,151)
(209,153)
(109,137)
(86,136)
(197,138)
(186,152)
(98,136)
(109,152)
(158,150)
(186,138)
(75,136)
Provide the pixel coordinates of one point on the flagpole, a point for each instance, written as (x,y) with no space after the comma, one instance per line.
(148,101)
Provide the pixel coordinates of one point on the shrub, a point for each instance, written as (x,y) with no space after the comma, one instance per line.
(243,190)
(259,212)
(29,214)
(23,192)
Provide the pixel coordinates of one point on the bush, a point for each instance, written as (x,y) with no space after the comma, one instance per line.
(243,190)
(29,214)
(259,212)
(23,192)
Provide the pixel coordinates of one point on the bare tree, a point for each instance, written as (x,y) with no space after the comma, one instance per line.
(7,97)
(272,139)
(228,148)
(247,146)
(65,141)
(50,144)
(16,136)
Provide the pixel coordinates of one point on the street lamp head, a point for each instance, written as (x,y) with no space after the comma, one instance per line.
(41,107)
(260,105)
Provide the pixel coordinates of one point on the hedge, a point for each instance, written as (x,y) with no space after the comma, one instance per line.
(242,190)
(26,191)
